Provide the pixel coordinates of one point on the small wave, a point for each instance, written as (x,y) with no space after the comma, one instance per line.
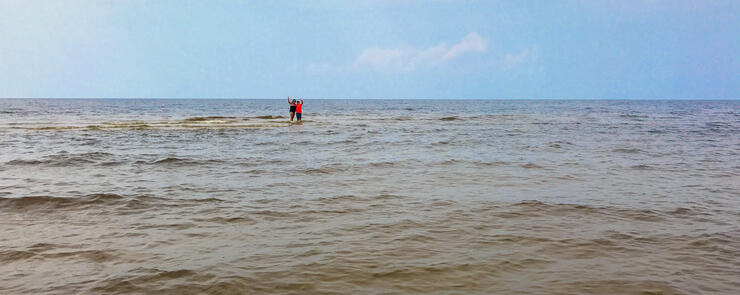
(155,281)
(57,202)
(20,162)
(91,255)
(627,150)
(531,166)
(681,211)
(329,169)
(170,161)
(179,161)
(168,226)
(386,164)
(61,160)
(559,144)
(209,118)
(227,220)
(633,116)
(453,118)
(533,208)
(642,167)
(125,204)
(267,117)
(479,164)
(15,255)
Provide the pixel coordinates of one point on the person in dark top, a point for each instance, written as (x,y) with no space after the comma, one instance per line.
(292,108)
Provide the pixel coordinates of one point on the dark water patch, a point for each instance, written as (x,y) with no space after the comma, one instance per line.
(618,236)
(61,160)
(20,162)
(717,125)
(681,211)
(111,163)
(385,164)
(328,169)
(8,256)
(627,150)
(635,214)
(642,167)
(636,117)
(227,220)
(167,226)
(58,202)
(43,252)
(89,255)
(531,166)
(338,142)
(120,204)
(491,164)
(441,203)
(449,162)
(38,247)
(452,118)
(528,209)
(559,144)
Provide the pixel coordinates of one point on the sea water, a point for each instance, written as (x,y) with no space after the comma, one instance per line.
(369,196)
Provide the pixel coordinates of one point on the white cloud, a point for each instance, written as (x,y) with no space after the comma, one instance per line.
(527,56)
(471,42)
(408,59)
(379,57)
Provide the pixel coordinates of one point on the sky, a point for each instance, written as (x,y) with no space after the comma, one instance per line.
(442,49)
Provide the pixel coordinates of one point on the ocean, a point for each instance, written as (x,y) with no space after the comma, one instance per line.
(166,196)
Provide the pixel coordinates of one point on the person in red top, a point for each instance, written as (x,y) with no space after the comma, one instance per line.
(299,109)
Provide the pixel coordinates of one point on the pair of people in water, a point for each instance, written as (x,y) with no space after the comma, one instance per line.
(296,108)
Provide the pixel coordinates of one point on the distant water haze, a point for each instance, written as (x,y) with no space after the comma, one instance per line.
(151,196)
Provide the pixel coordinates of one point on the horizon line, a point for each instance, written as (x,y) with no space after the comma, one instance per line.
(374,98)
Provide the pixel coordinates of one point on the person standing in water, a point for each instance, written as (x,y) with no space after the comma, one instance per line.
(292,108)
(299,109)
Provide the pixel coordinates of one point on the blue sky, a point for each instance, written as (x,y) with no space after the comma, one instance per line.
(370,49)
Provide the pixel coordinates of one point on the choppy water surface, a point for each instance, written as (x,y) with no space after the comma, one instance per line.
(373,197)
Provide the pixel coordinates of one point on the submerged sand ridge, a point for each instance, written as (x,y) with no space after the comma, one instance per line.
(212,122)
